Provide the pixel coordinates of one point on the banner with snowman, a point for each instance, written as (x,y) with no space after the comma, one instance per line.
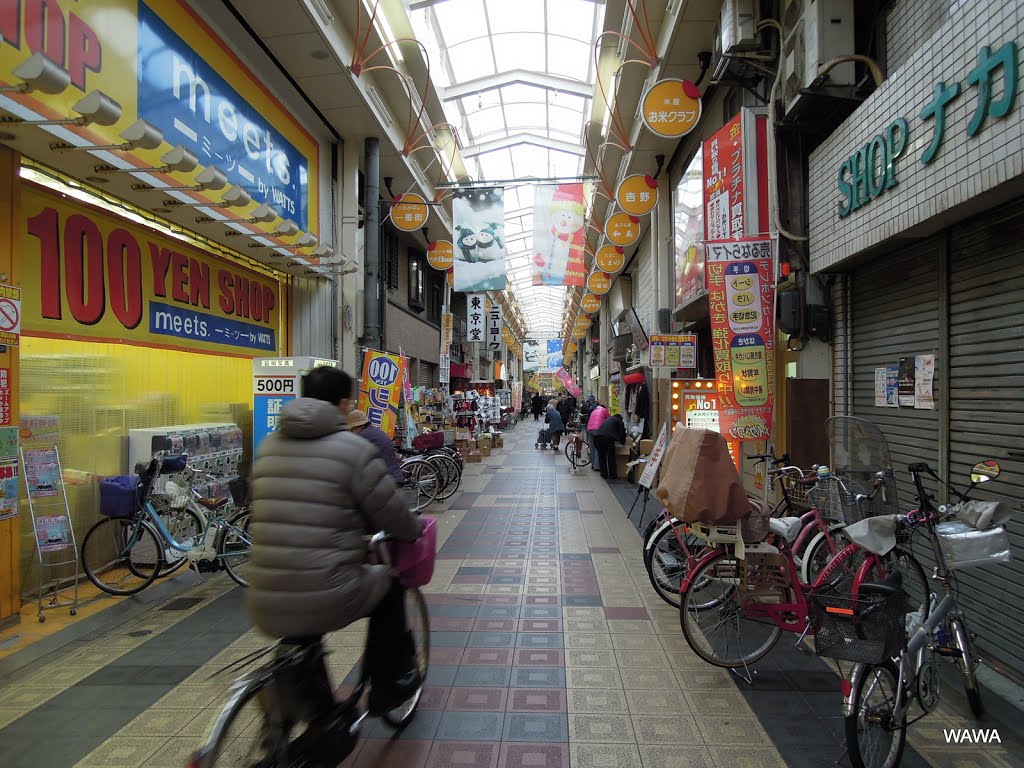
(559,216)
(478,232)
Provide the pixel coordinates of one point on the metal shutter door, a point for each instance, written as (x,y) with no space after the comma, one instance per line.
(894,303)
(426,373)
(986,407)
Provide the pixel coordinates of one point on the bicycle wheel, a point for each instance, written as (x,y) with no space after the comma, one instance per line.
(875,734)
(187,528)
(421,486)
(962,642)
(915,582)
(234,545)
(713,619)
(452,476)
(121,556)
(582,456)
(817,554)
(667,561)
(249,738)
(418,619)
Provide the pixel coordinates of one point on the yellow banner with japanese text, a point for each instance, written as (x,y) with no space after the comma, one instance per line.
(380,389)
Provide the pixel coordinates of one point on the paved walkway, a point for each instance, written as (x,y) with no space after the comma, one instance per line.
(549,649)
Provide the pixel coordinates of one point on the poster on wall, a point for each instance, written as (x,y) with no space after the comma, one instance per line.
(880,401)
(42,473)
(924,379)
(673,350)
(533,351)
(614,401)
(8,487)
(555,354)
(380,389)
(478,227)
(559,216)
(892,386)
(907,390)
(742,302)
(94,276)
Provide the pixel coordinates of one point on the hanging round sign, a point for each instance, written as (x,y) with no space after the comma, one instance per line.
(451,277)
(671,108)
(583,321)
(591,303)
(599,283)
(441,254)
(622,229)
(409,212)
(571,349)
(611,258)
(637,194)
(579,333)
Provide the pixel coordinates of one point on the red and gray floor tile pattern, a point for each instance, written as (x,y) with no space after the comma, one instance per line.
(549,649)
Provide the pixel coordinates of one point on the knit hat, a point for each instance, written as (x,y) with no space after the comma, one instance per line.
(568,196)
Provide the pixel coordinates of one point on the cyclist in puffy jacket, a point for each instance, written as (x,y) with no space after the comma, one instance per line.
(317,491)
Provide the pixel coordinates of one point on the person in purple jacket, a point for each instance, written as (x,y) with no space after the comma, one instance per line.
(359,423)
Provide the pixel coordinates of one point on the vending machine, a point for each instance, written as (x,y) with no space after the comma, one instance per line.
(275,381)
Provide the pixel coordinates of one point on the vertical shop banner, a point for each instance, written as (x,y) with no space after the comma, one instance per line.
(673,350)
(5,396)
(494,326)
(741,293)
(555,354)
(614,400)
(444,360)
(478,225)
(517,395)
(533,351)
(924,379)
(93,276)
(559,242)
(564,376)
(476,317)
(165,65)
(380,389)
(735,179)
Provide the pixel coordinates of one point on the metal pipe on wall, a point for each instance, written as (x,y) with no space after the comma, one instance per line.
(371,265)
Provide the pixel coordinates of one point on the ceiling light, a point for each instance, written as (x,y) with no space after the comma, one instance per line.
(38,73)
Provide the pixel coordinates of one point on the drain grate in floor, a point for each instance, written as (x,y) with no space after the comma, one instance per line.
(182,603)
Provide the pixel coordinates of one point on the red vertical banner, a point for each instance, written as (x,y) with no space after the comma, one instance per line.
(741,292)
(723,182)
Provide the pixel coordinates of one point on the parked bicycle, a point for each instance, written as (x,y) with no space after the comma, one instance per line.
(893,674)
(576,449)
(124,555)
(288,708)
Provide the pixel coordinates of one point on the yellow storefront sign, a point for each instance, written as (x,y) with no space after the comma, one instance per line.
(409,213)
(622,229)
(671,108)
(599,283)
(637,194)
(380,389)
(440,254)
(162,64)
(611,258)
(90,275)
(591,303)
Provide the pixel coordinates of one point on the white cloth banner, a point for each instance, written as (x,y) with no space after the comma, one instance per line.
(478,228)
(476,317)
(494,321)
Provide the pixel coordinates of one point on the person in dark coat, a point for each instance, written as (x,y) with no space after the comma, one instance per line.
(612,431)
(586,409)
(555,426)
(566,406)
(537,405)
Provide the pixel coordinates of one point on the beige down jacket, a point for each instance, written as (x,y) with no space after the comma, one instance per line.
(317,491)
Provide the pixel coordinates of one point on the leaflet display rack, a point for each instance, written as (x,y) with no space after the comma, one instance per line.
(54,536)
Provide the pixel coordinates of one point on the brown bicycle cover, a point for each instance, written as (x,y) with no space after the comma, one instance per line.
(699,482)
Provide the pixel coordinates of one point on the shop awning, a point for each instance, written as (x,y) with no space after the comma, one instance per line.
(459,371)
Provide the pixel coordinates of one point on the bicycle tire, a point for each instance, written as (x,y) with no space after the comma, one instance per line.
(667,563)
(962,641)
(712,592)
(420,488)
(868,717)
(915,579)
(816,555)
(225,747)
(452,477)
(187,528)
(236,561)
(418,618)
(108,549)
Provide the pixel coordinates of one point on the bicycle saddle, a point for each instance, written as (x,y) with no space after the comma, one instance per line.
(787,527)
(213,504)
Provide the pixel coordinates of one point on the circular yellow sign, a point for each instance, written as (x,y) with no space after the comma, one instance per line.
(672,108)
(622,229)
(610,258)
(637,194)
(451,277)
(579,333)
(599,283)
(571,349)
(440,254)
(591,303)
(409,213)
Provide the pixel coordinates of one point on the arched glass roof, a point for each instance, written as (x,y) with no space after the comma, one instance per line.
(517,79)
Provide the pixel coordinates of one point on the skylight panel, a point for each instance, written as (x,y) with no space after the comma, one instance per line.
(461,21)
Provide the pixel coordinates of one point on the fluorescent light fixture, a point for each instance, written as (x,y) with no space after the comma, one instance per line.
(38,73)
(322,10)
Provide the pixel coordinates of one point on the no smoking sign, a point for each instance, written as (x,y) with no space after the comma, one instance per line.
(10,316)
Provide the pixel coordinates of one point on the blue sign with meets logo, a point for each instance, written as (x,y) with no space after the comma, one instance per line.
(170,320)
(193,105)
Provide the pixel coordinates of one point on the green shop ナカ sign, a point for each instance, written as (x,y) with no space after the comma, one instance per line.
(871,171)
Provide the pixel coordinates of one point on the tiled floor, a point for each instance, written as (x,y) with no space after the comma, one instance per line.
(549,650)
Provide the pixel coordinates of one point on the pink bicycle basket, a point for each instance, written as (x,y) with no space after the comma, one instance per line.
(414,560)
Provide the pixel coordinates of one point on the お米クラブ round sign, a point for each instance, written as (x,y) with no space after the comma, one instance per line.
(441,254)
(622,229)
(671,108)
(410,212)
(610,258)
(599,283)
(591,303)
(637,194)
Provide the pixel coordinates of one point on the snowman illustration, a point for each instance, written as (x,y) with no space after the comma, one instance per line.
(563,263)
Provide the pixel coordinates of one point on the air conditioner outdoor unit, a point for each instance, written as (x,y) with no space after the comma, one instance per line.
(736,33)
(813,32)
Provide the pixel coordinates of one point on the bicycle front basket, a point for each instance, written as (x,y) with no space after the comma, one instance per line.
(868,630)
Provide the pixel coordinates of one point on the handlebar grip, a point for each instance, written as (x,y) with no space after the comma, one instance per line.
(761,457)
(920,466)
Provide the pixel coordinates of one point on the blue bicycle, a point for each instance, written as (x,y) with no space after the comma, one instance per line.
(124,555)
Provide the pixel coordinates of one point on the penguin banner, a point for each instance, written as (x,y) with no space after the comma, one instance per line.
(559,240)
(478,232)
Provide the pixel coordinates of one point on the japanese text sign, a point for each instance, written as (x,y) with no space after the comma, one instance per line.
(673,351)
(637,194)
(494,326)
(380,389)
(440,254)
(409,213)
(10,316)
(622,229)
(671,108)
(476,315)
(741,295)
(723,182)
